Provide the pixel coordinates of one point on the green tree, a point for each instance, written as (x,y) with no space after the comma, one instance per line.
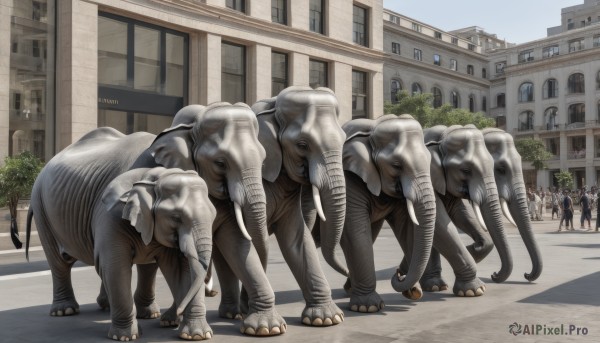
(16,180)
(418,105)
(534,151)
(564,178)
(448,115)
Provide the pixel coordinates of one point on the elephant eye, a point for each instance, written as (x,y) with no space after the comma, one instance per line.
(176,218)
(302,145)
(220,164)
(466,171)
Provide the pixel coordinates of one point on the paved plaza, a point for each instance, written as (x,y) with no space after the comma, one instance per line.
(566,297)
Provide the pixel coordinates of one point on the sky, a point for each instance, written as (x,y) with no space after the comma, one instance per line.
(517,21)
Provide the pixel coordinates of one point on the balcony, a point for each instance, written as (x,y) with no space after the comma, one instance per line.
(576,154)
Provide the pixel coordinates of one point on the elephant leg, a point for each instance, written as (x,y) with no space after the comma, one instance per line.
(176,271)
(464,218)
(230,287)
(209,291)
(300,253)
(447,241)
(63,301)
(375,230)
(144,296)
(432,280)
(309,213)
(102,299)
(239,253)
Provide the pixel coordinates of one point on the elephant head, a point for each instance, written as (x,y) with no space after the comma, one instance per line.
(220,142)
(172,207)
(390,156)
(301,130)
(462,167)
(511,189)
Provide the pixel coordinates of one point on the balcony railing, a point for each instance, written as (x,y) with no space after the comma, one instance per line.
(576,154)
(558,127)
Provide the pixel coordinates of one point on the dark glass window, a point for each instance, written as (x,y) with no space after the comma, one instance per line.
(39,11)
(360,26)
(454,40)
(238,5)
(396,48)
(550,118)
(526,121)
(455,98)
(359,94)
(576,45)
(550,89)
(316,16)
(526,92)
(318,74)
(576,83)
(437,60)
(470,70)
(437,97)
(416,88)
(233,72)
(437,34)
(35,48)
(395,87)
(501,100)
(279,72)
(526,56)
(500,67)
(418,54)
(484,104)
(484,73)
(453,65)
(279,11)
(471,103)
(576,113)
(550,51)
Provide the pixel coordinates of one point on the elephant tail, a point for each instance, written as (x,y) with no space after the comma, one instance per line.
(28,232)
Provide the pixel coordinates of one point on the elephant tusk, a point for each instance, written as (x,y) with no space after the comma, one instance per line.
(209,284)
(317,200)
(240,220)
(479,216)
(411,212)
(506,212)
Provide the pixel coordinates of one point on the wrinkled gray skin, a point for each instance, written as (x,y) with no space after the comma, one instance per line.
(220,143)
(387,170)
(300,130)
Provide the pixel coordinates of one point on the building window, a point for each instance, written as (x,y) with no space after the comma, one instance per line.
(576,113)
(16,101)
(500,67)
(453,64)
(395,87)
(455,99)
(279,11)
(471,47)
(550,89)
(416,27)
(437,60)
(484,104)
(552,145)
(396,48)
(484,73)
(418,54)
(598,80)
(570,24)
(279,72)
(596,41)
(416,88)
(359,94)
(526,92)
(318,74)
(39,11)
(454,40)
(526,121)
(437,34)
(576,45)
(550,51)
(437,97)
(577,148)
(526,56)
(316,15)
(471,103)
(238,5)
(550,118)
(576,83)
(470,70)
(501,100)
(395,19)
(360,26)
(233,72)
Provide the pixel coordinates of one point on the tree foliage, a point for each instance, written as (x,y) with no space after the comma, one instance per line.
(534,151)
(564,179)
(420,106)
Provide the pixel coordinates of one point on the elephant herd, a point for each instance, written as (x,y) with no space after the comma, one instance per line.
(223,178)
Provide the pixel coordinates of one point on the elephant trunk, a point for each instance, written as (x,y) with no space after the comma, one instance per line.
(424,209)
(331,186)
(197,248)
(254,210)
(519,211)
(492,217)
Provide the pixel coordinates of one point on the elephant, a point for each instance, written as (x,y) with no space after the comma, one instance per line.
(144,216)
(300,129)
(220,142)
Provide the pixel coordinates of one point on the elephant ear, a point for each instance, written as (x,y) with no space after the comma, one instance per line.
(172,148)
(268,130)
(438,178)
(138,208)
(357,158)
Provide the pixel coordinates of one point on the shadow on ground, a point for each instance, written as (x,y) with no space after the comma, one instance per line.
(573,245)
(581,291)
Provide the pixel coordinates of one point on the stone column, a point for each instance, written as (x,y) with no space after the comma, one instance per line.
(376,95)
(563,152)
(590,170)
(210,68)
(76,71)
(341,84)
(5,13)
(259,73)
(299,69)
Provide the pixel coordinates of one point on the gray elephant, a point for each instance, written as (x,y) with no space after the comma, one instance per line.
(162,209)
(300,130)
(220,143)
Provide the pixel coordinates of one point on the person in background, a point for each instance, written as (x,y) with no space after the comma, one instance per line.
(542,204)
(531,199)
(567,216)
(586,211)
(555,204)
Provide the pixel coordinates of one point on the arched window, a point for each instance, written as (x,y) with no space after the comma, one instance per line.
(437,97)
(484,104)
(395,87)
(455,99)
(550,89)
(526,121)
(526,92)
(470,69)
(416,88)
(471,103)
(576,113)
(500,100)
(576,83)
(550,118)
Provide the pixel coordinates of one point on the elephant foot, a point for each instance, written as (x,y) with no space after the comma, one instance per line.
(210,293)
(148,312)
(263,323)
(322,315)
(369,303)
(472,288)
(411,292)
(125,334)
(433,284)
(64,308)
(230,311)
(102,301)
(170,318)
(348,287)
(195,329)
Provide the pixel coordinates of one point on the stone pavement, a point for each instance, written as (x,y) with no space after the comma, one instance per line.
(565,296)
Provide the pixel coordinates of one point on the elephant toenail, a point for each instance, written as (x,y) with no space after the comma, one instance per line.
(317,322)
(362,308)
(327,322)
(306,321)
(470,293)
(262,332)
(373,308)
(275,331)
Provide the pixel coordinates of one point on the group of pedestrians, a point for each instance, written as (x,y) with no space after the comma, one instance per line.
(587,199)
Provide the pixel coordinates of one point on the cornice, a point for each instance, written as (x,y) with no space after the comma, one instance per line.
(559,61)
